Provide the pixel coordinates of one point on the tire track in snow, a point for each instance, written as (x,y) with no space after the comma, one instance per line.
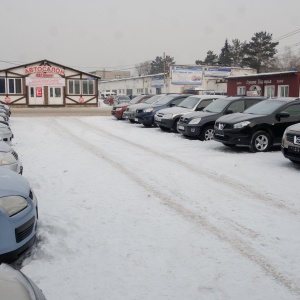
(270,200)
(235,242)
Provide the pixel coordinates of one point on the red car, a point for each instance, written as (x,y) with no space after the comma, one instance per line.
(117,110)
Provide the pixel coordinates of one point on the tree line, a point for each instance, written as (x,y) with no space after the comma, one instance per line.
(259,53)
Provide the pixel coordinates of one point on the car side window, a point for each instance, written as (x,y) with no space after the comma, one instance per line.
(204,103)
(250,102)
(237,106)
(176,102)
(293,110)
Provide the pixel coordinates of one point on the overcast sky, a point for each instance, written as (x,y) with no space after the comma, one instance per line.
(97,34)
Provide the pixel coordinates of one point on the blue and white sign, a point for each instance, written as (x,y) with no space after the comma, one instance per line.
(217,72)
(186,75)
(157,81)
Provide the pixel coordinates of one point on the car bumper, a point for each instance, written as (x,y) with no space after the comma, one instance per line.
(129,115)
(17,167)
(291,152)
(189,130)
(236,137)
(117,114)
(19,233)
(167,123)
(144,119)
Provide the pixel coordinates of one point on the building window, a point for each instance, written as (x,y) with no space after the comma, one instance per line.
(283,91)
(241,90)
(140,91)
(146,90)
(2,86)
(81,87)
(270,91)
(15,85)
(120,91)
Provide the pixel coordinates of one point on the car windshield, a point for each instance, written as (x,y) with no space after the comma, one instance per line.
(265,107)
(189,102)
(216,106)
(136,99)
(165,99)
(153,99)
(123,97)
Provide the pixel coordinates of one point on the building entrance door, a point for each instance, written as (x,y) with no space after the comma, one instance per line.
(36,95)
(55,96)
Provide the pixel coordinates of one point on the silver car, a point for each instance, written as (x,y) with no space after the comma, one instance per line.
(9,158)
(290,145)
(5,133)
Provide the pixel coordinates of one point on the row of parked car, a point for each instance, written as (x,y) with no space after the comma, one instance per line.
(18,218)
(256,122)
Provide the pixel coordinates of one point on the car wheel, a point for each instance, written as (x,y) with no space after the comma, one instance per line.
(147,125)
(295,161)
(163,128)
(260,142)
(174,127)
(131,120)
(228,145)
(207,134)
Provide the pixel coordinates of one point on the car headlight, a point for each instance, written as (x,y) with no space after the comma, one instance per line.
(241,124)
(13,204)
(195,121)
(4,130)
(119,108)
(6,159)
(168,116)
(148,109)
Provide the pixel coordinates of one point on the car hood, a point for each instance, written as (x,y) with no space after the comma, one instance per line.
(238,117)
(175,110)
(12,183)
(121,105)
(139,105)
(198,114)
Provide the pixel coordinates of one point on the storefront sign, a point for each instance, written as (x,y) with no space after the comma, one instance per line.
(186,75)
(40,81)
(44,69)
(157,81)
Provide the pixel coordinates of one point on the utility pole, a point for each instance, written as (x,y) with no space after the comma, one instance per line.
(164,57)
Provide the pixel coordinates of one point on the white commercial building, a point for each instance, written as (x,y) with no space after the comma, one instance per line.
(179,78)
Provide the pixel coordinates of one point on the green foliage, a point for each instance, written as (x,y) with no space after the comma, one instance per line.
(159,65)
(211,59)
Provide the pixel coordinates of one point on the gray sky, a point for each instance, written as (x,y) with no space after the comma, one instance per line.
(95,34)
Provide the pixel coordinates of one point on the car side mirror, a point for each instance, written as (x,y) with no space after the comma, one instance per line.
(199,108)
(172,104)
(229,112)
(282,114)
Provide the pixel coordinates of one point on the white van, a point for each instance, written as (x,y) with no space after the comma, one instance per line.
(104,95)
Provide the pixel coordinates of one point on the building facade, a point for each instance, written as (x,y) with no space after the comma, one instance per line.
(277,84)
(179,78)
(45,83)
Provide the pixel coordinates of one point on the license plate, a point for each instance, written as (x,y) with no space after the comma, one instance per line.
(180,127)
(136,119)
(219,132)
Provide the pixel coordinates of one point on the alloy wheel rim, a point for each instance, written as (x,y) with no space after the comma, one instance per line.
(261,142)
(209,134)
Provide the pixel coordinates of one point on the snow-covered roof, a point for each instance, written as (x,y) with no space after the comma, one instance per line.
(263,74)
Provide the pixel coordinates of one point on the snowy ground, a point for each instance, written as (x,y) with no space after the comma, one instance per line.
(128,212)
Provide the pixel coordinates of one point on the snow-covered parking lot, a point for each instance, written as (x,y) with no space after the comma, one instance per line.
(128,212)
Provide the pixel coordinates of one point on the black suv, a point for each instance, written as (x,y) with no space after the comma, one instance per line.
(201,124)
(259,127)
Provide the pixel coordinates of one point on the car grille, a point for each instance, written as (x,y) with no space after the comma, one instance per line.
(160,115)
(24,230)
(184,120)
(223,125)
(290,137)
(138,111)
(15,154)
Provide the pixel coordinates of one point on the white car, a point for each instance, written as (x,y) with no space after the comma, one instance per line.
(9,158)
(5,133)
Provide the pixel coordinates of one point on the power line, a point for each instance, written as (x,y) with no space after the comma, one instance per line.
(286,35)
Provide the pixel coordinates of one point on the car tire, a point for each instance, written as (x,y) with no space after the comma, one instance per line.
(131,121)
(228,145)
(163,128)
(174,127)
(260,141)
(295,161)
(207,134)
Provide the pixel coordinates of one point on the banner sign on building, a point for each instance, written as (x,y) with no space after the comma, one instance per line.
(157,81)
(41,81)
(217,72)
(185,75)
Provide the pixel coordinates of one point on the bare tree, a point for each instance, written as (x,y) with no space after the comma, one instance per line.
(288,60)
(143,68)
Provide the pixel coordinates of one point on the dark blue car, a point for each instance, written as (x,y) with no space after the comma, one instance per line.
(145,115)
